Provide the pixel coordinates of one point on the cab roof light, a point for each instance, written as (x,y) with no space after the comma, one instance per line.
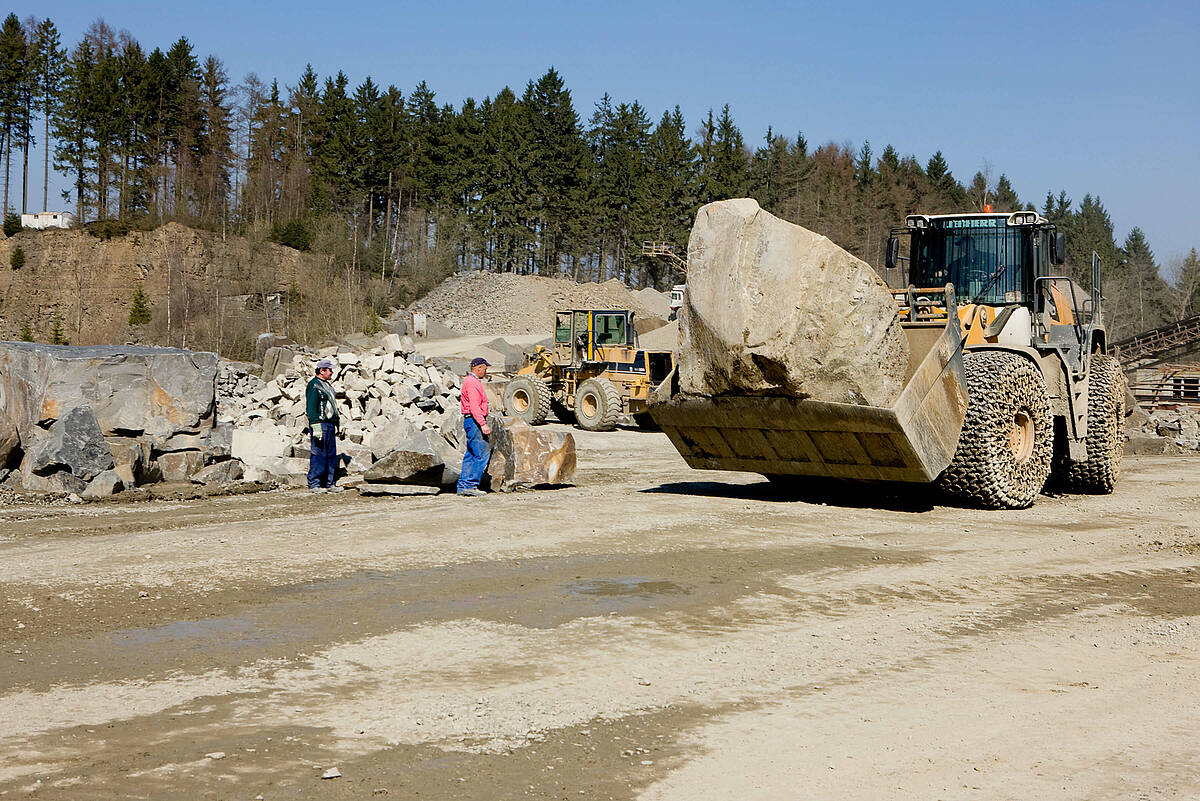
(1026,218)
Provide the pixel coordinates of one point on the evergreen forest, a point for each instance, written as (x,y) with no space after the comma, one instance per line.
(399,190)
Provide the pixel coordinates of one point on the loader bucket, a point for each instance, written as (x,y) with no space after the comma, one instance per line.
(914,440)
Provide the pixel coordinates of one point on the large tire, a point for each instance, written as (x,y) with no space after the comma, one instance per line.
(1105,433)
(1007,440)
(527,398)
(597,405)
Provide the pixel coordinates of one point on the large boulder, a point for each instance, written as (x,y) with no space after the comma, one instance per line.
(180,465)
(73,443)
(424,458)
(133,454)
(774,309)
(257,446)
(524,457)
(226,472)
(105,484)
(131,389)
(388,437)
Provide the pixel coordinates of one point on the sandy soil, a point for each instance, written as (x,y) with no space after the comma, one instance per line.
(653,633)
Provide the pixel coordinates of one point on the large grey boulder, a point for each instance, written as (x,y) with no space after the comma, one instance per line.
(105,484)
(180,465)
(131,389)
(774,309)
(73,443)
(221,473)
(425,458)
(130,453)
(407,467)
(258,446)
(388,437)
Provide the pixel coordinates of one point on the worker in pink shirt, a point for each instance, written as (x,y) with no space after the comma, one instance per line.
(474,406)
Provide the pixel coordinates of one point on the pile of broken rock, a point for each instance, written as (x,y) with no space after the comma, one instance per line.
(401,425)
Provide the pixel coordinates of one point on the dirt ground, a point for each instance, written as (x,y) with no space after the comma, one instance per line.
(651,633)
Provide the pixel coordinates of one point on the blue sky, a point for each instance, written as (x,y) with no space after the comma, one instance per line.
(1087,97)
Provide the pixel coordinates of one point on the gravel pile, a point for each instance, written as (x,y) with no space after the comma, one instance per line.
(503,303)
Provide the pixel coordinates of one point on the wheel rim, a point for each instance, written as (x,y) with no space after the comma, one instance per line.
(520,401)
(1021,437)
(589,404)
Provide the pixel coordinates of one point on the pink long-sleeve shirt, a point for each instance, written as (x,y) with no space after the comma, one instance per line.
(473,399)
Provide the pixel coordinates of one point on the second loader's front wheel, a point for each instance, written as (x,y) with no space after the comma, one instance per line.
(597,405)
(527,397)
(1098,474)
(1007,439)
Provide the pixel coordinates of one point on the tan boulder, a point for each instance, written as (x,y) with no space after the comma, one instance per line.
(772,308)
(524,457)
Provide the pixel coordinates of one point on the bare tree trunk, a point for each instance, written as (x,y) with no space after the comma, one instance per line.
(46,168)
(25,178)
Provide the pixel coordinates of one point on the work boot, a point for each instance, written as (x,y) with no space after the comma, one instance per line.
(335,488)
(473,492)
(315,490)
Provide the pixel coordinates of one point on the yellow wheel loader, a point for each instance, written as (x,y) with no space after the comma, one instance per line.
(594,372)
(1009,380)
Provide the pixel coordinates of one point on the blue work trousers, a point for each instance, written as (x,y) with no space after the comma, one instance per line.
(322,456)
(475,460)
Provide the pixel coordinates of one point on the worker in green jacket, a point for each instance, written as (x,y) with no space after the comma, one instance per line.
(320,405)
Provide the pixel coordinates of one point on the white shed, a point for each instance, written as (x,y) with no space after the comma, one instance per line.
(48,219)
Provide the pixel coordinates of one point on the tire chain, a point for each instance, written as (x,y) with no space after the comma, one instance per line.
(1105,436)
(984,470)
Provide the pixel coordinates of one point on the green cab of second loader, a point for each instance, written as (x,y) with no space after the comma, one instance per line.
(593,371)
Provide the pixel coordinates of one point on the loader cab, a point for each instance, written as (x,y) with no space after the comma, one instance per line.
(582,335)
(989,258)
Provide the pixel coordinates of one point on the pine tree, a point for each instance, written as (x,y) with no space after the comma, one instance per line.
(1146,299)
(765,169)
(13,76)
(506,187)
(1005,197)
(728,171)
(672,188)
(557,167)
(216,154)
(48,59)
(57,337)
(1186,281)
(17,259)
(1091,230)
(139,308)
(73,125)
(864,173)
(26,332)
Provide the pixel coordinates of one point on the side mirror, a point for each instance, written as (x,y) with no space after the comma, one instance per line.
(1060,248)
(892,259)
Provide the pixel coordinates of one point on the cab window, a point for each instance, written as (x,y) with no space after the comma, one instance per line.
(610,329)
(562,328)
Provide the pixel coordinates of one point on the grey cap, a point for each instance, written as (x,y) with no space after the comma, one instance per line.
(324,364)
